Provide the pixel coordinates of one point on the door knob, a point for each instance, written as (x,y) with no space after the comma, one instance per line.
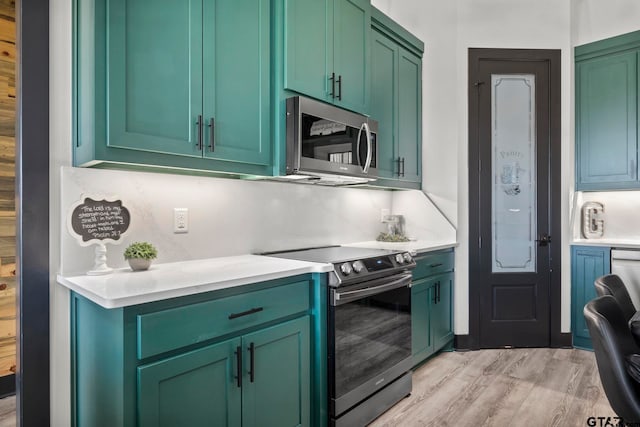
(544,240)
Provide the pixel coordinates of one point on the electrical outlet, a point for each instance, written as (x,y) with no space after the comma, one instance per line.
(384,213)
(180,220)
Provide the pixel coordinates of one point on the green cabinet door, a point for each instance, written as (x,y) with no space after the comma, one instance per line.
(198,388)
(308,49)
(352,29)
(607,122)
(236,80)
(154,75)
(396,103)
(410,115)
(587,264)
(384,101)
(421,336)
(441,311)
(276,386)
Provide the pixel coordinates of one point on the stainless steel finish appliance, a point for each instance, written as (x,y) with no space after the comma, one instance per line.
(369,330)
(329,145)
(626,264)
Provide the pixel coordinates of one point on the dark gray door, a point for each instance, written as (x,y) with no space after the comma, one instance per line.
(510,202)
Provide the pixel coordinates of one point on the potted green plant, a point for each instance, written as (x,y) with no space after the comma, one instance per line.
(140,254)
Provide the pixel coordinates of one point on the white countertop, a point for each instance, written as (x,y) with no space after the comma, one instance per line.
(124,287)
(413,246)
(614,243)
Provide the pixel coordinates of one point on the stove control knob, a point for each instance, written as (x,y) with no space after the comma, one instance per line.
(358,266)
(407,257)
(346,269)
(399,259)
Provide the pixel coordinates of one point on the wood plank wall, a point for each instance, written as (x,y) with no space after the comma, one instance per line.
(7,187)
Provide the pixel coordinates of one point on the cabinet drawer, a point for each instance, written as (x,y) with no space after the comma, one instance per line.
(430,264)
(178,327)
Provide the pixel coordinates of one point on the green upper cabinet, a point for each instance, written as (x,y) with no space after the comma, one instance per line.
(607,114)
(410,116)
(185,84)
(327,50)
(396,102)
(384,101)
(154,75)
(236,80)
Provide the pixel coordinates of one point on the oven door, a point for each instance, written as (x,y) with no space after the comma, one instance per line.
(369,338)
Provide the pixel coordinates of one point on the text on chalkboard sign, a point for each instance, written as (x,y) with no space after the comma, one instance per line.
(100,220)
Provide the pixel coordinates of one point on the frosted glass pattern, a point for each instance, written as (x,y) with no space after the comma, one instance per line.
(513,171)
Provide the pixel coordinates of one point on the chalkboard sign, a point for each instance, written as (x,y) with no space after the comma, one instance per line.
(99,221)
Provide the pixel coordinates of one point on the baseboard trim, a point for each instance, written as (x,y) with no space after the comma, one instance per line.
(462,342)
(562,340)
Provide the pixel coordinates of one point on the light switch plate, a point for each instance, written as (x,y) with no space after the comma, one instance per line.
(180,220)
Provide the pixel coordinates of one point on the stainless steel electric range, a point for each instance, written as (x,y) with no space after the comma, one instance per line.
(369,329)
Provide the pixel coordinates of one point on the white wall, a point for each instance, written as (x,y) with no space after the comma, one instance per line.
(594,20)
(226,216)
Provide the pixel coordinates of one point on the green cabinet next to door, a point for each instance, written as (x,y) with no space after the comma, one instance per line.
(184,83)
(587,264)
(607,116)
(432,304)
(396,103)
(607,124)
(327,51)
(201,387)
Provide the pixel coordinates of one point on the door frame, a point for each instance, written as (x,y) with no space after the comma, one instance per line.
(32,212)
(552,58)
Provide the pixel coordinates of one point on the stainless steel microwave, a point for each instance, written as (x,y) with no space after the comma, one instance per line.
(329,145)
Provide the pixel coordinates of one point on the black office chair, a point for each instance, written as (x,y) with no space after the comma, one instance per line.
(612,284)
(612,341)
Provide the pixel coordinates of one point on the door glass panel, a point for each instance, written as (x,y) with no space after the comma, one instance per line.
(513,148)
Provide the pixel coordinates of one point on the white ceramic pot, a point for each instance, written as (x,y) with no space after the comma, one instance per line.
(138,264)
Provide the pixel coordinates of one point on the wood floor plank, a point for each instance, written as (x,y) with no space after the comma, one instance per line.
(495,388)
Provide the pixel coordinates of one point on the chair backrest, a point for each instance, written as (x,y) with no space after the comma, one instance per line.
(612,341)
(612,284)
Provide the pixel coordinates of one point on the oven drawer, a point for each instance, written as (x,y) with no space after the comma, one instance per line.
(433,263)
(178,327)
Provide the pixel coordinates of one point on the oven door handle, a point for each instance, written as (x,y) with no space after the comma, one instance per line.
(340,298)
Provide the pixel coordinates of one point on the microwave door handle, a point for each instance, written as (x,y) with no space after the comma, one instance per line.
(369,148)
(358,146)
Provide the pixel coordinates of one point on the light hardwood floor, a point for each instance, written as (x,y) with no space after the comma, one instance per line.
(497,388)
(515,387)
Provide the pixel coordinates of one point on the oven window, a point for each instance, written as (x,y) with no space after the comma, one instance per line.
(371,335)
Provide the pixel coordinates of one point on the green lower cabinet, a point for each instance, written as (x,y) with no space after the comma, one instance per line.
(432,304)
(236,365)
(276,386)
(441,312)
(587,264)
(422,339)
(191,389)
